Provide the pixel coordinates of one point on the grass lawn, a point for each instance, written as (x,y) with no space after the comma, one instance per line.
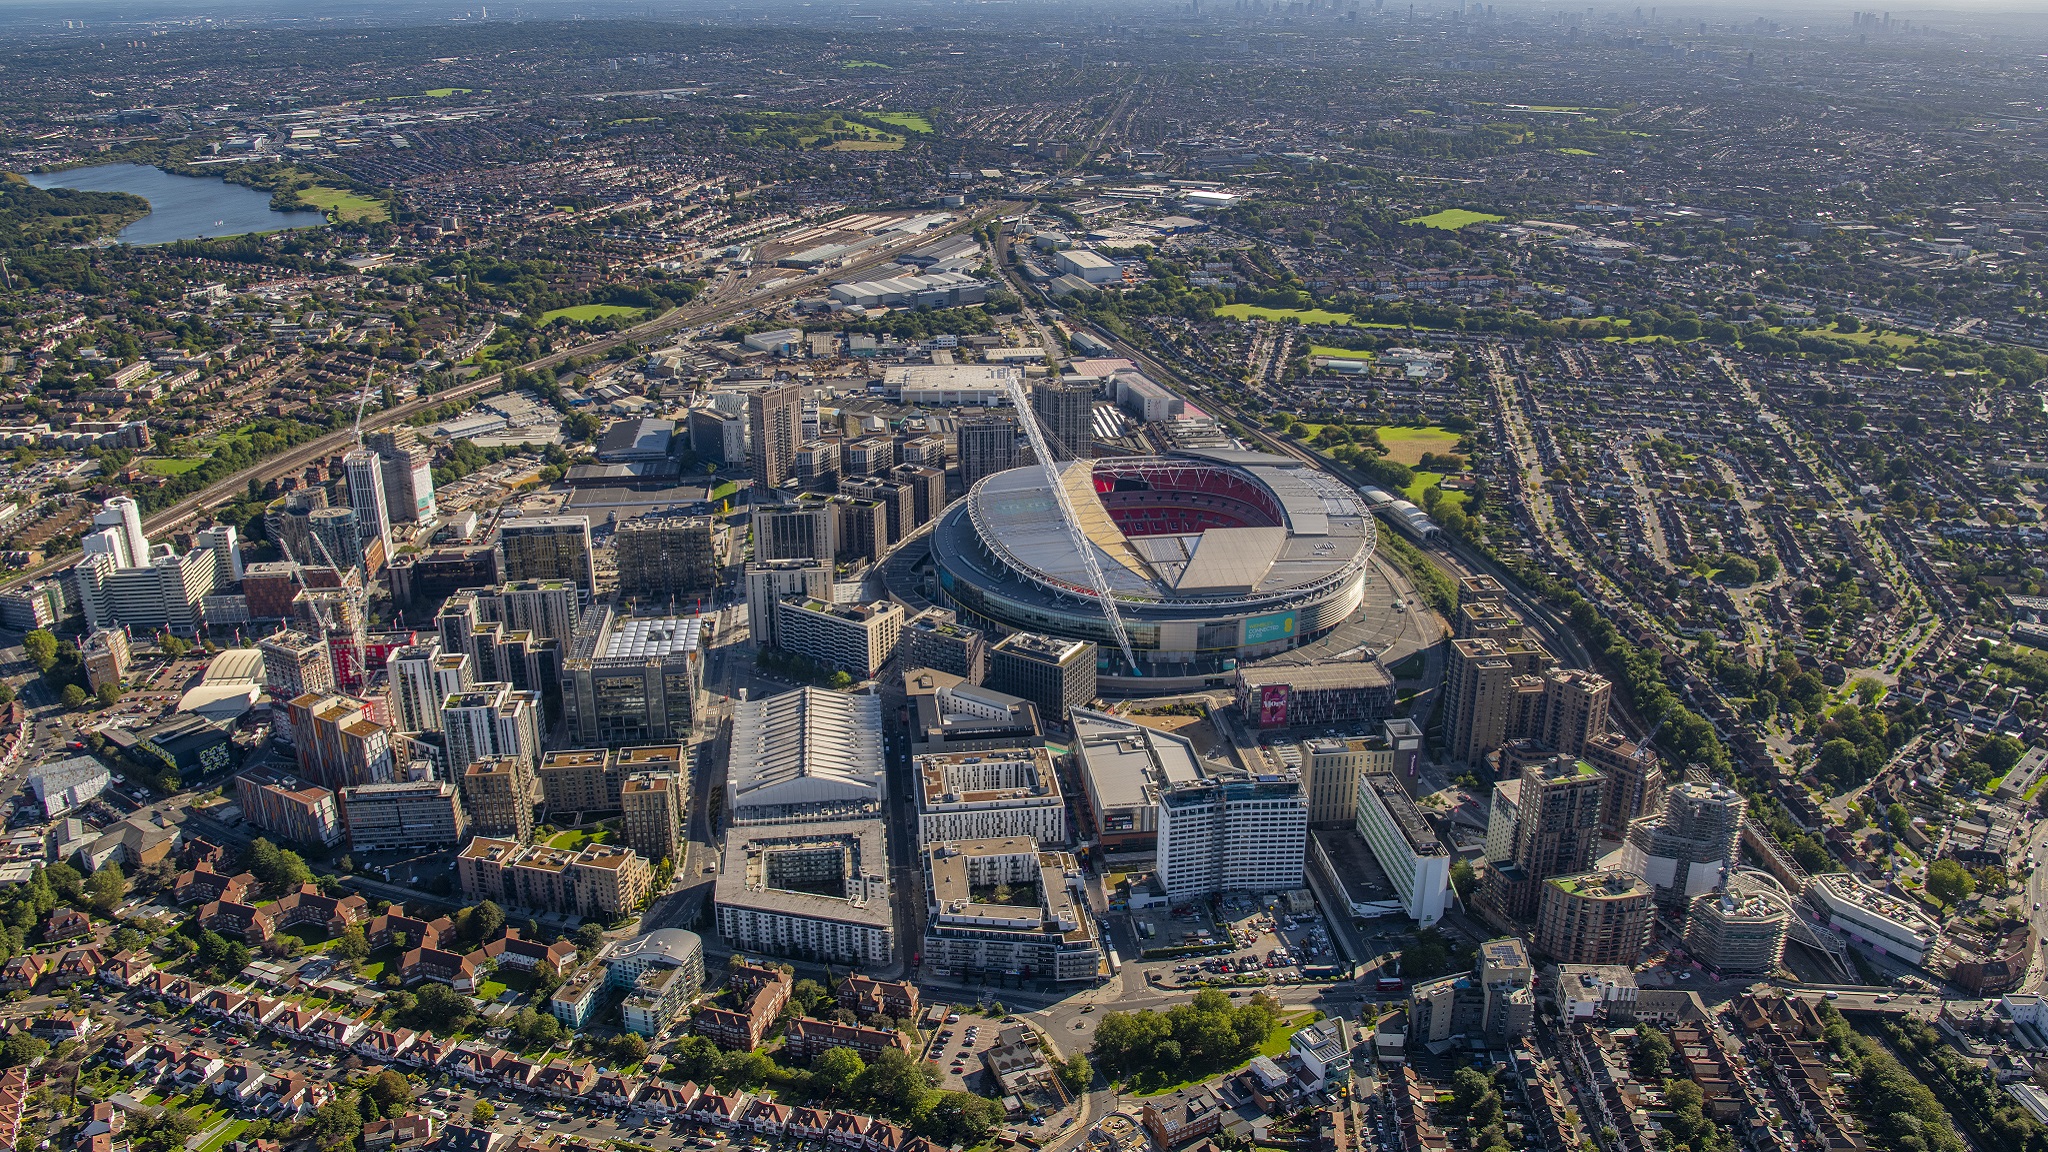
(576,838)
(344,205)
(1336,353)
(176,466)
(439,92)
(586,312)
(1409,669)
(908,121)
(1427,480)
(226,1134)
(1300,316)
(1452,219)
(1577,152)
(1407,445)
(864,64)
(1276,1042)
(490,990)
(863,146)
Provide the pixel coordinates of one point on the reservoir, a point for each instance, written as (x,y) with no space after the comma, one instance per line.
(181,207)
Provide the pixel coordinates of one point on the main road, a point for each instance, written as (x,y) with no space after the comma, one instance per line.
(697,313)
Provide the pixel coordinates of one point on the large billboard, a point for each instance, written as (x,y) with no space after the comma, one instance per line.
(1273,706)
(1267,629)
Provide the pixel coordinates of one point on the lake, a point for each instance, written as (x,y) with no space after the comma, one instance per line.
(181,207)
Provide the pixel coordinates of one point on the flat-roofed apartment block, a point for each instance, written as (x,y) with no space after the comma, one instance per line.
(498,794)
(1001,905)
(664,554)
(296,663)
(1481,697)
(769,581)
(576,780)
(808,891)
(805,755)
(1333,764)
(1414,859)
(632,680)
(337,742)
(803,530)
(397,816)
(935,638)
(1124,767)
(855,638)
(653,804)
(598,881)
(548,548)
(489,720)
(989,794)
(1057,674)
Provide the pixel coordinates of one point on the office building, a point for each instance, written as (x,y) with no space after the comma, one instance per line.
(800,530)
(364,471)
(806,755)
(988,795)
(812,891)
(1051,937)
(854,638)
(1056,674)
(408,473)
(1740,930)
(1483,704)
(665,556)
(597,882)
(769,581)
(225,543)
(1416,862)
(988,444)
(1557,832)
(105,654)
(1232,834)
(416,579)
(497,793)
(632,679)
(654,809)
(1884,923)
(1690,848)
(775,424)
(548,548)
(289,809)
(951,715)
(164,591)
(935,638)
(1595,918)
(1125,767)
(1495,1003)
(122,516)
(338,744)
(296,663)
(489,721)
(404,816)
(1065,409)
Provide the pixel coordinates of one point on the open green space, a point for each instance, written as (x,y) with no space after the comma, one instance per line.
(864,146)
(157,466)
(576,838)
(214,1142)
(908,121)
(864,64)
(1336,353)
(440,92)
(343,205)
(490,990)
(1424,481)
(583,313)
(1452,219)
(1577,152)
(1407,445)
(1410,669)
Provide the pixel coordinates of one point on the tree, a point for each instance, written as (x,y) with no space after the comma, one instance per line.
(103,891)
(836,1070)
(1429,956)
(1463,879)
(1468,1087)
(108,695)
(481,1113)
(1652,1054)
(41,649)
(74,697)
(1076,1073)
(626,1049)
(352,947)
(22,1048)
(486,920)
(590,937)
(1949,882)
(390,1089)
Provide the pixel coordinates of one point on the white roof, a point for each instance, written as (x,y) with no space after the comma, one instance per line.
(809,747)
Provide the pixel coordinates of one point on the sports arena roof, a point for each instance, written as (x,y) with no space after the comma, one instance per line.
(1325,529)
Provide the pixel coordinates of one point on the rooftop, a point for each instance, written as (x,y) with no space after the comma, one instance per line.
(650,637)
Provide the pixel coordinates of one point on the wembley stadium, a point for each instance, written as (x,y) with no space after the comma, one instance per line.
(1213,556)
